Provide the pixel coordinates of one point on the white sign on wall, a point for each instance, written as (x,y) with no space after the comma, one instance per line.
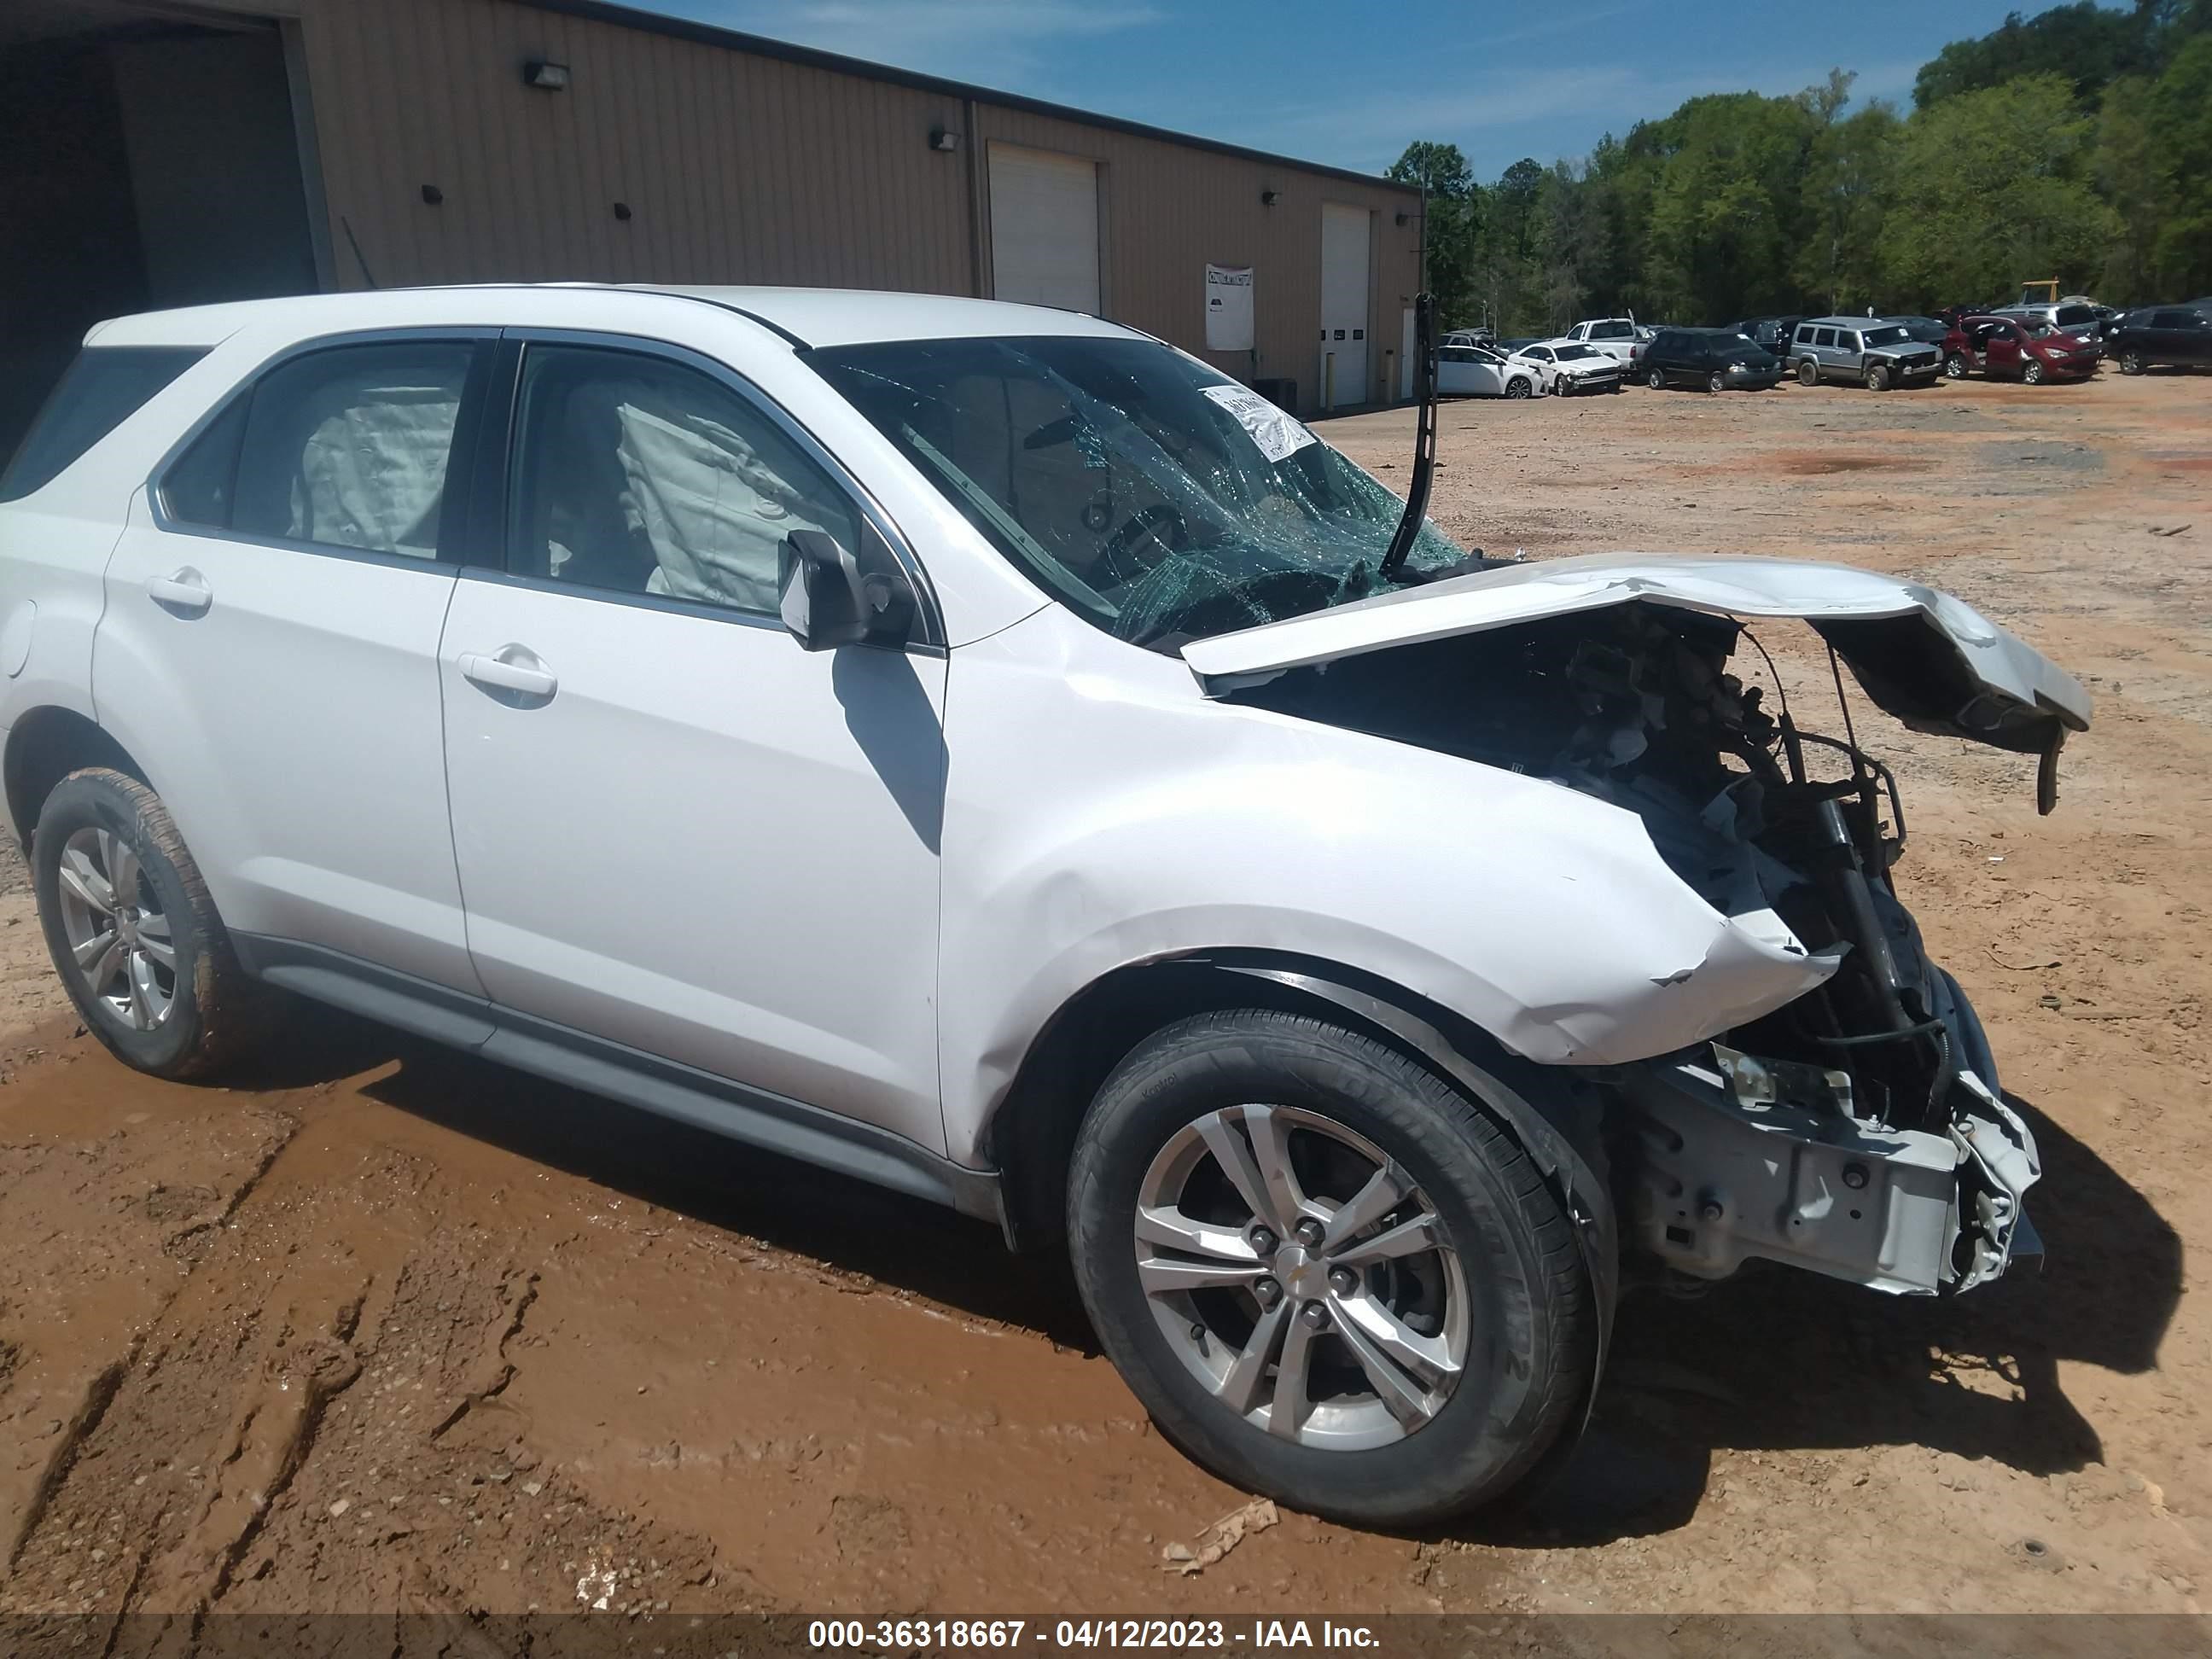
(1228,307)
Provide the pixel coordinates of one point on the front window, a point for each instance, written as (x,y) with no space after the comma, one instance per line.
(1137,486)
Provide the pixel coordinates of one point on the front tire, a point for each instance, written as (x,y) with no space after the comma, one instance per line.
(1716,382)
(133,932)
(1877,377)
(1516,387)
(1328,1274)
(2032,373)
(1955,367)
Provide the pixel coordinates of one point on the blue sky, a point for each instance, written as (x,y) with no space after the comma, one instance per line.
(1350,85)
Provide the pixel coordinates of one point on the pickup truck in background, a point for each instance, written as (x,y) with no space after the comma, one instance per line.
(1616,337)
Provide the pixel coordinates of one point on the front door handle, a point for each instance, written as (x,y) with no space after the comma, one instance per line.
(512,668)
(182,593)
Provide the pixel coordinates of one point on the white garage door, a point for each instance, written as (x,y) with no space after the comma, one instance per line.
(1345,241)
(1044,228)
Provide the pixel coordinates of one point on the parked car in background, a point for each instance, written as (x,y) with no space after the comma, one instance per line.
(1470,337)
(1713,359)
(1929,331)
(1477,371)
(2076,317)
(1616,337)
(1771,333)
(2007,348)
(1570,368)
(2154,337)
(1866,351)
(1014,764)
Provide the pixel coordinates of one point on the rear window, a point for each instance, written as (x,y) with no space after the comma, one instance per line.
(104,387)
(2074,316)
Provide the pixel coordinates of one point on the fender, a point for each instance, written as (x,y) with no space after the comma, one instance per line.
(1566,1165)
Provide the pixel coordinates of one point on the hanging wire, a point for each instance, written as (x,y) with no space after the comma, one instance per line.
(1843,702)
(1781,691)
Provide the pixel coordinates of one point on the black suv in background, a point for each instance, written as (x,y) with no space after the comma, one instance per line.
(1717,359)
(1771,333)
(2152,335)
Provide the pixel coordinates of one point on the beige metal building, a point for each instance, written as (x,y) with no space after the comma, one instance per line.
(166,152)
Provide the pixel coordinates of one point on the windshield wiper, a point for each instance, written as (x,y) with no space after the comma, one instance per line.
(1424,439)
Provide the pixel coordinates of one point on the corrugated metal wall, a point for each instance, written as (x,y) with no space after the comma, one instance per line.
(737,168)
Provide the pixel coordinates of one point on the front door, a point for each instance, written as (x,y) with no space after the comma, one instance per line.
(279,600)
(677,830)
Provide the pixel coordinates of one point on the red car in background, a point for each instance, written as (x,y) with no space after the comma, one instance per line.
(2003,348)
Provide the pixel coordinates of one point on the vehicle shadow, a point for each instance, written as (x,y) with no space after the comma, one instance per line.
(906,1243)
(1774,1359)
(1779,1359)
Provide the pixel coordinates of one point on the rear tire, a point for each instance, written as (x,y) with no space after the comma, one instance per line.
(1338,1109)
(2132,362)
(1656,379)
(119,891)
(1808,371)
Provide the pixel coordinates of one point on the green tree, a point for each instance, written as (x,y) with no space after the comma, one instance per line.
(1449,210)
(2089,44)
(1847,201)
(1991,188)
(2180,124)
(1726,215)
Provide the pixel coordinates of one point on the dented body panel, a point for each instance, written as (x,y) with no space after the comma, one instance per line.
(1101,812)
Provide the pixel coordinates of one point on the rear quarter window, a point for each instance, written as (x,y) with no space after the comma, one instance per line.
(103,388)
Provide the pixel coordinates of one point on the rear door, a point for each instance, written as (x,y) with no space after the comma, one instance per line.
(679,832)
(268,647)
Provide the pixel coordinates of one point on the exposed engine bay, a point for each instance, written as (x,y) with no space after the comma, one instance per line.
(1856,1131)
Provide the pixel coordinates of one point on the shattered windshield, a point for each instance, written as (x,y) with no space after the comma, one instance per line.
(1139,488)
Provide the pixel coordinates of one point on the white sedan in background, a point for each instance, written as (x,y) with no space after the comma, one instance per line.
(1478,371)
(1570,369)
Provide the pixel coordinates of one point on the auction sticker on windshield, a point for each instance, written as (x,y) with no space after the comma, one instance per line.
(1277,433)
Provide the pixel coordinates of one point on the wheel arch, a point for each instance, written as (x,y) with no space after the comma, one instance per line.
(44,747)
(1555,1114)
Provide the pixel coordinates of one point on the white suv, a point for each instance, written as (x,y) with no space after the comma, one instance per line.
(984,749)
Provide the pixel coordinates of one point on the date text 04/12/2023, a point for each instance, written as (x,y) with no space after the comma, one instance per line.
(1167,1635)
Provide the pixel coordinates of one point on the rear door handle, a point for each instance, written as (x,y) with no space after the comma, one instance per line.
(182,593)
(511,668)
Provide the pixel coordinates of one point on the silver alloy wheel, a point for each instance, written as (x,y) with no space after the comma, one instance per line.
(1303,1277)
(124,952)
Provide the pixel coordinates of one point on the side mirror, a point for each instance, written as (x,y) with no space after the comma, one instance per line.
(827,601)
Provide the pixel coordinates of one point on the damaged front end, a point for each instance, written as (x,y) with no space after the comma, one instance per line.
(1857,1128)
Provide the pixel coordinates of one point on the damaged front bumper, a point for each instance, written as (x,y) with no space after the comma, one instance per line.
(1741,1157)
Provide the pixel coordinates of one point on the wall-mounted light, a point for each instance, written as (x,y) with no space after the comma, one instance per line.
(432,196)
(1404,219)
(546,77)
(622,211)
(1269,198)
(940,139)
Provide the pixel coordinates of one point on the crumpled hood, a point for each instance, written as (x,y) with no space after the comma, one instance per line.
(1929,658)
